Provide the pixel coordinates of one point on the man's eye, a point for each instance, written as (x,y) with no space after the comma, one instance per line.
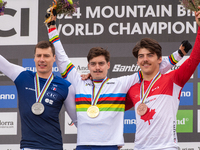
(150,55)
(92,64)
(101,63)
(140,56)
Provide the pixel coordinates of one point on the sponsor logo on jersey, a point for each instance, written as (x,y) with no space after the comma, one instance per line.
(110,82)
(51,95)
(184,121)
(8,97)
(31,89)
(129,121)
(48,101)
(54,88)
(20,23)
(88,84)
(186,97)
(155,88)
(8,123)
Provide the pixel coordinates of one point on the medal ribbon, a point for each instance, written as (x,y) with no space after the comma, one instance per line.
(39,95)
(144,96)
(95,99)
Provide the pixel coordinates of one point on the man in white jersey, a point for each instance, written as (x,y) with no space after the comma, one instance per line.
(156,98)
(39,110)
(100,102)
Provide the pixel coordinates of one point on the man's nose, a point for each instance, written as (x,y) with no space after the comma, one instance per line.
(42,58)
(97,66)
(145,57)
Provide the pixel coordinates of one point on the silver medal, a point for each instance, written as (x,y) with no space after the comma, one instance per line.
(37,108)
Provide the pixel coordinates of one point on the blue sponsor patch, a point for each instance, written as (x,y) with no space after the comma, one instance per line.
(8,97)
(29,64)
(198,68)
(186,97)
(129,121)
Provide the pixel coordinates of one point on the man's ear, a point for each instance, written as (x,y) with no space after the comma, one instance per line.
(160,60)
(108,65)
(54,58)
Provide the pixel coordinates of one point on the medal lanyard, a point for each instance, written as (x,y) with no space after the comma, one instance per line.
(144,96)
(39,95)
(95,99)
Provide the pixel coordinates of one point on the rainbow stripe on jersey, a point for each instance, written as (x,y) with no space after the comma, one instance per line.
(54,39)
(172,59)
(106,102)
(70,66)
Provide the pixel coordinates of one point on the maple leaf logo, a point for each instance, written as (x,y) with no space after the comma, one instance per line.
(149,115)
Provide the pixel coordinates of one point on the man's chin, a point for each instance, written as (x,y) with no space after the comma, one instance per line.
(97,77)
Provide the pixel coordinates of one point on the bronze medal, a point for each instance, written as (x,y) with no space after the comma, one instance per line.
(142,109)
(93,111)
(37,108)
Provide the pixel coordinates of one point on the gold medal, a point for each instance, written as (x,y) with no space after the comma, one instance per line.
(142,109)
(93,111)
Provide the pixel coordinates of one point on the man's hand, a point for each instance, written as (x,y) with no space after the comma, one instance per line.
(184,48)
(119,147)
(51,18)
(86,76)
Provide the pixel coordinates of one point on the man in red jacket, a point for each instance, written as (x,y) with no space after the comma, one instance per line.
(156,98)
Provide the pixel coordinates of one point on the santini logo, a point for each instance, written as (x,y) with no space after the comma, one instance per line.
(121,68)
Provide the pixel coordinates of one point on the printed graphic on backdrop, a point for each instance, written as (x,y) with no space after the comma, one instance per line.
(8,97)
(198,71)
(10,147)
(184,121)
(115,25)
(20,23)
(70,128)
(121,66)
(198,122)
(79,63)
(69,146)
(29,64)
(129,121)
(198,93)
(126,21)
(8,123)
(186,97)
